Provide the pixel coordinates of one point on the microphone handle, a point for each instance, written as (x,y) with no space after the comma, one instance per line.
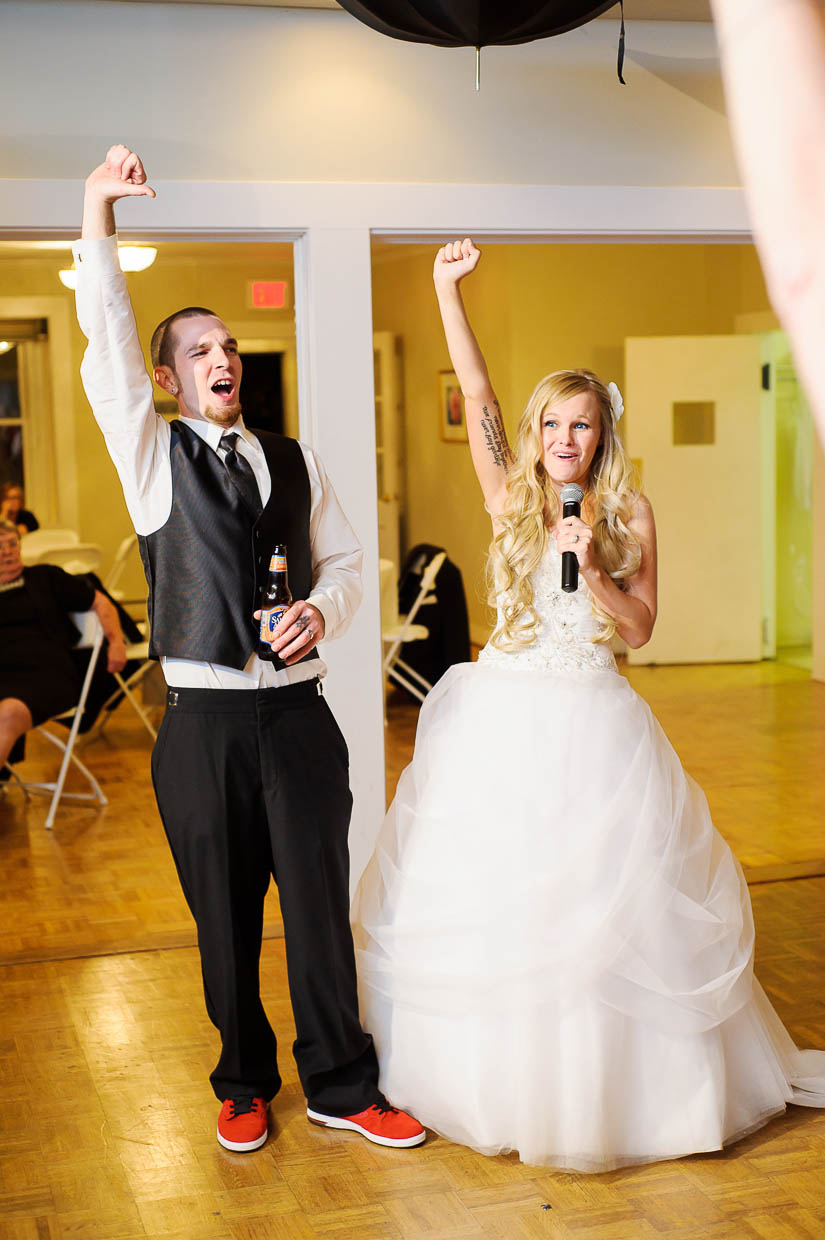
(569,559)
(570,572)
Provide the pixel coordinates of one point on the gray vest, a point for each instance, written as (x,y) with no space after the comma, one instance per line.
(207,565)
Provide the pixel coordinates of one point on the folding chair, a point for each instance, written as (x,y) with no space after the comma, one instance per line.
(75,557)
(118,564)
(135,651)
(36,547)
(91,638)
(405,630)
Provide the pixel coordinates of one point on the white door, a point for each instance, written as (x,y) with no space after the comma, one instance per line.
(694,429)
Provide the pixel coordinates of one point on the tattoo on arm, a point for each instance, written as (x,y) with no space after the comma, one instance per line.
(494,435)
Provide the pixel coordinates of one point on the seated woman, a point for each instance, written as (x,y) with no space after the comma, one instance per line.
(12,509)
(38,677)
(555,946)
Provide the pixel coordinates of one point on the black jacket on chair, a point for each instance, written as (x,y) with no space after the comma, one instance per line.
(446,618)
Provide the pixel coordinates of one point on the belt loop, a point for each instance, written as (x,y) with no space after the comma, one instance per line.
(171,697)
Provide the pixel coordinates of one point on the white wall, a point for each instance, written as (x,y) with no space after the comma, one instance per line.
(214,93)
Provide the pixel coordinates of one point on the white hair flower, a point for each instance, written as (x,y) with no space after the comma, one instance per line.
(616,402)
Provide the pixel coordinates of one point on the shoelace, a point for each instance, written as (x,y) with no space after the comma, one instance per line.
(243,1105)
(384,1108)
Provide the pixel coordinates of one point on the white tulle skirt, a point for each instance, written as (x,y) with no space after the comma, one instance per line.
(554,944)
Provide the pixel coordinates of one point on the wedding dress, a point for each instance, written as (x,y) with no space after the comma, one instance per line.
(554,944)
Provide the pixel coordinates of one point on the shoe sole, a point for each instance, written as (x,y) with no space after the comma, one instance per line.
(242,1147)
(336,1121)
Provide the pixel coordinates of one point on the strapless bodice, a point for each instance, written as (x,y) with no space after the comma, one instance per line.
(565,631)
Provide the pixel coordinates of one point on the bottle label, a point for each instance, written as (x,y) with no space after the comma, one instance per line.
(270,619)
(277,564)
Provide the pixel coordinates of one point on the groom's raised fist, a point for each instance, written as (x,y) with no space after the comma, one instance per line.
(121,175)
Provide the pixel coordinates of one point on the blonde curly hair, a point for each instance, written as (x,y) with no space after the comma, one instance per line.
(532,509)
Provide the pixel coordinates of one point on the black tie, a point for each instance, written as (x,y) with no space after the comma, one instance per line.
(241,473)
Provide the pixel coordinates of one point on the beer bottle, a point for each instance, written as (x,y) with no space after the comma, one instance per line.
(276,599)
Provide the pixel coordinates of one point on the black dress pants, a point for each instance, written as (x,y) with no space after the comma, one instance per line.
(254,783)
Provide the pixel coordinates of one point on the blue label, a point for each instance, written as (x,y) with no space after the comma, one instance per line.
(270,618)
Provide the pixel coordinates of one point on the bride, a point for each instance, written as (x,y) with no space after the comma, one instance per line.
(555,946)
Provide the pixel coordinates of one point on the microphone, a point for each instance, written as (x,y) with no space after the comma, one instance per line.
(571,506)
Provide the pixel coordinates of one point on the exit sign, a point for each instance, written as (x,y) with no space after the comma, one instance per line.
(267,294)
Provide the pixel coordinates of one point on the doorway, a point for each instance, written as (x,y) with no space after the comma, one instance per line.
(27,449)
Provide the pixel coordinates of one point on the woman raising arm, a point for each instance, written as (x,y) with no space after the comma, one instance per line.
(485,428)
(567,434)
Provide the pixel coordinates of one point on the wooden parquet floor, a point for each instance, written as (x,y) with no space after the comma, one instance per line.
(106,1116)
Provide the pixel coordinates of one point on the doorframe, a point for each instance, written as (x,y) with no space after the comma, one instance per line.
(331,225)
(62,507)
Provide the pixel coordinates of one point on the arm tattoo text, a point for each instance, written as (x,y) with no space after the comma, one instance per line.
(493,430)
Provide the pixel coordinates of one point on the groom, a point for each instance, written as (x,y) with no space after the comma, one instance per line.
(250,769)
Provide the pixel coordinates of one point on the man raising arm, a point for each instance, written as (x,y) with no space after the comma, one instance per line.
(250,768)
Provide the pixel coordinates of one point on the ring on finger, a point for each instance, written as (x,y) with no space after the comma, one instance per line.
(576,538)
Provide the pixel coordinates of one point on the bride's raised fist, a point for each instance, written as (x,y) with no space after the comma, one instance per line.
(455,260)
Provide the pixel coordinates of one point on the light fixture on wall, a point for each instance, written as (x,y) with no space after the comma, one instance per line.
(136,257)
(130,257)
(6,345)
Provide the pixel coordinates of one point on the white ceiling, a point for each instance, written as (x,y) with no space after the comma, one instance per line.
(640,10)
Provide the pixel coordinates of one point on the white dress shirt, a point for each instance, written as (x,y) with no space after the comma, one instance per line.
(138,440)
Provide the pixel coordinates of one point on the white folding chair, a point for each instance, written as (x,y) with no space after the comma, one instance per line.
(115,573)
(36,546)
(75,557)
(119,563)
(135,651)
(91,638)
(406,630)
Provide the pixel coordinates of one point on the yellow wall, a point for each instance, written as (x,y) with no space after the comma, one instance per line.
(818,564)
(184,274)
(536,308)
(795,442)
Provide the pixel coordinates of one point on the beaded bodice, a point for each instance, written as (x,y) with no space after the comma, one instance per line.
(566,626)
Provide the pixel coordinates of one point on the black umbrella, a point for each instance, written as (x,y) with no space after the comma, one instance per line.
(479,23)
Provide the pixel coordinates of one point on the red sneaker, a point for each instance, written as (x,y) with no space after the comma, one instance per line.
(380,1123)
(243,1123)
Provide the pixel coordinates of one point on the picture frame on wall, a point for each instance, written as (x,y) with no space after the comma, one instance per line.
(452,415)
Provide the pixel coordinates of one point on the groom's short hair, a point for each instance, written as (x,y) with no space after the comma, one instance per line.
(162,348)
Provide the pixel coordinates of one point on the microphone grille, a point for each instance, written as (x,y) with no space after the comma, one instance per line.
(572,493)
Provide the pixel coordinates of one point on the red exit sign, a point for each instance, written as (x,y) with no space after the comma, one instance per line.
(267,294)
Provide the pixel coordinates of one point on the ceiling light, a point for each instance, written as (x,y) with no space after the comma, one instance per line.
(136,257)
(130,257)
